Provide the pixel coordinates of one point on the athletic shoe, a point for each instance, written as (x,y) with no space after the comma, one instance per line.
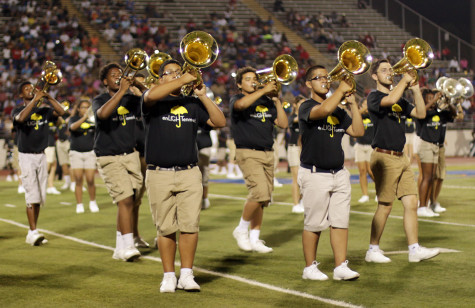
(140,243)
(187,283)
(52,191)
(79,208)
(426,211)
(34,238)
(21,189)
(117,255)
(242,238)
(298,208)
(65,186)
(313,273)
(205,204)
(277,183)
(260,247)
(343,272)
(9,178)
(363,199)
(168,284)
(130,254)
(423,253)
(44,241)
(93,207)
(15,177)
(436,208)
(376,256)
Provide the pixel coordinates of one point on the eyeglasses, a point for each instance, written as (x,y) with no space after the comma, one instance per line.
(319,78)
(166,73)
(385,70)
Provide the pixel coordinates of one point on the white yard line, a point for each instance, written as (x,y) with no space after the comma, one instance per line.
(9,205)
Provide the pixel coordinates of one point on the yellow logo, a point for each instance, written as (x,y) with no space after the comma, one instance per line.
(262,110)
(436,119)
(332,121)
(179,111)
(122,111)
(396,108)
(366,122)
(37,118)
(86,126)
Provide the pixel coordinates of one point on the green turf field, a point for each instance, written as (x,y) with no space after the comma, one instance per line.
(75,269)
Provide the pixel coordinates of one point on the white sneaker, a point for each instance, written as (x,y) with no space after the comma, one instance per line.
(79,208)
(44,241)
(65,186)
(93,207)
(242,238)
(436,208)
(52,191)
(130,254)
(376,256)
(277,183)
(21,189)
(423,253)
(363,199)
(168,284)
(313,273)
(117,255)
(34,238)
(140,243)
(187,283)
(425,211)
(9,178)
(343,272)
(205,204)
(298,208)
(260,247)
(15,177)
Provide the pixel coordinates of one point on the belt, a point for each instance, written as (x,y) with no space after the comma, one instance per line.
(441,145)
(316,169)
(172,168)
(255,148)
(395,153)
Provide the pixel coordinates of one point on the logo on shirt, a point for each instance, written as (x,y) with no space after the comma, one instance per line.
(332,121)
(179,111)
(36,117)
(396,109)
(85,126)
(122,112)
(261,113)
(367,123)
(435,122)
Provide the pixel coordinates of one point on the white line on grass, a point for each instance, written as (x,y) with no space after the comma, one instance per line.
(202,270)
(10,205)
(442,250)
(65,203)
(355,212)
(459,187)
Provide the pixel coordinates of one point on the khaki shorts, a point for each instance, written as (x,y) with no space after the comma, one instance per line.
(15,164)
(293,155)
(121,174)
(326,199)
(416,143)
(34,177)
(363,152)
(428,152)
(175,200)
(62,147)
(232,150)
(440,170)
(203,164)
(258,170)
(50,155)
(393,176)
(82,160)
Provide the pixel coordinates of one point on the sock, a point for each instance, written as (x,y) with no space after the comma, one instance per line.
(230,167)
(32,231)
(128,239)
(244,225)
(413,247)
(79,204)
(254,235)
(373,247)
(92,202)
(118,241)
(185,271)
(67,179)
(166,274)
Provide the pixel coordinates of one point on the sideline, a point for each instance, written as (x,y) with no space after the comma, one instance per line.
(198,269)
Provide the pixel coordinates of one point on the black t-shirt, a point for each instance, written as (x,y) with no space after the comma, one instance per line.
(389,122)
(116,134)
(140,136)
(321,139)
(33,133)
(431,126)
(203,137)
(252,127)
(294,130)
(368,131)
(410,126)
(52,132)
(63,132)
(82,139)
(171,127)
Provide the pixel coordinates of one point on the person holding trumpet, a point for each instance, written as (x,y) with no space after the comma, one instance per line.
(173,179)
(391,168)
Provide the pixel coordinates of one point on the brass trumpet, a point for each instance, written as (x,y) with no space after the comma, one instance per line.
(417,55)
(199,49)
(353,59)
(50,75)
(283,71)
(154,63)
(135,59)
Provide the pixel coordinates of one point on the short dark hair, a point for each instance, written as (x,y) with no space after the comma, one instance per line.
(375,66)
(162,67)
(106,68)
(243,70)
(22,84)
(425,92)
(310,70)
